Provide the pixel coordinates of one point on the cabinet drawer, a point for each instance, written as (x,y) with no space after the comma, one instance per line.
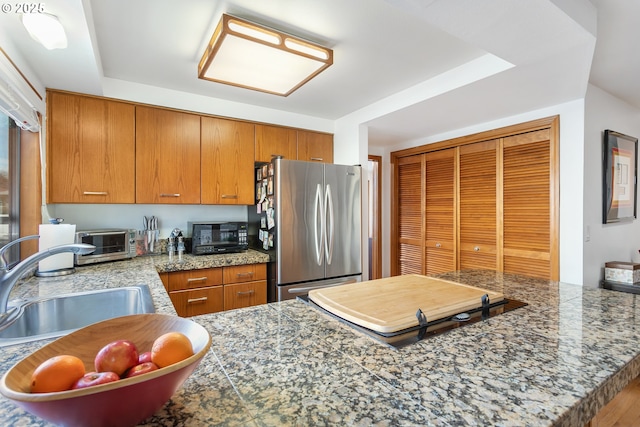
(181,280)
(198,301)
(245,294)
(244,273)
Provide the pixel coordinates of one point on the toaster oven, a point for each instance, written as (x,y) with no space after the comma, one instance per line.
(111,244)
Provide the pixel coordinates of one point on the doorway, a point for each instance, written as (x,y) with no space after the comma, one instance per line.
(374,181)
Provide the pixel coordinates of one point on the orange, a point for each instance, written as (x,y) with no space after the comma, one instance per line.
(57,374)
(170,348)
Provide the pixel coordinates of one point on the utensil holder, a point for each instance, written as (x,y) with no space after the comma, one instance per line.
(148,242)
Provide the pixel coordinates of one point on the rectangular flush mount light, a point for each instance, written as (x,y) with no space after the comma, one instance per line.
(247,55)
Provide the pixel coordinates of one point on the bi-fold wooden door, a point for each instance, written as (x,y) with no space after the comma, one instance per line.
(527,193)
(426,188)
(478,206)
(482,204)
(440,211)
(410,224)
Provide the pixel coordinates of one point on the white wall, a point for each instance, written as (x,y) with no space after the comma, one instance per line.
(136,92)
(87,217)
(571,170)
(608,242)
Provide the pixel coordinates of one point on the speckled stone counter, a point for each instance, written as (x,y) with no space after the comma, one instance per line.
(163,264)
(135,271)
(556,361)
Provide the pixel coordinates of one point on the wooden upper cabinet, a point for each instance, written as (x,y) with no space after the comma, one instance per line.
(91,150)
(167,156)
(227,162)
(440,211)
(315,147)
(478,213)
(274,141)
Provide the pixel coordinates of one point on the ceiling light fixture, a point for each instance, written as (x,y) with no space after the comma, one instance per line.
(46,29)
(244,54)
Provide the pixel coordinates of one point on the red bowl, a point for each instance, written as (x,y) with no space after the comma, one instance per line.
(126,402)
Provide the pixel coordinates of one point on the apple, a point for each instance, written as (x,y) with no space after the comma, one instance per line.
(140,369)
(144,357)
(117,356)
(95,378)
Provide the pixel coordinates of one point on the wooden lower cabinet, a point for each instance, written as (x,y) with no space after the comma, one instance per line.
(245,294)
(194,279)
(244,273)
(210,290)
(198,301)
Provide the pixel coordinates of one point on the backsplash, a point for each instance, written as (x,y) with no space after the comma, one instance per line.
(130,216)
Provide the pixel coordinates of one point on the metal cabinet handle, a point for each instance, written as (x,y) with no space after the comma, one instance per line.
(246,293)
(438,245)
(194,300)
(229,196)
(169,194)
(317,159)
(95,193)
(197,279)
(477,248)
(248,274)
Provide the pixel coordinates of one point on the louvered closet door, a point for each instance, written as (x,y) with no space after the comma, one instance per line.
(477,205)
(440,211)
(527,198)
(410,203)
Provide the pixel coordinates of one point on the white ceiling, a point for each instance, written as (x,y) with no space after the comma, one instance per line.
(429,66)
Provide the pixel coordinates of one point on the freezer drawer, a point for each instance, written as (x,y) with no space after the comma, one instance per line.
(286,292)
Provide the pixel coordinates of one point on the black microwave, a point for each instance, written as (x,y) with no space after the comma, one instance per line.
(218,237)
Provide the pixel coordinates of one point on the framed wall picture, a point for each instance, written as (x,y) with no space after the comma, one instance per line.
(619,177)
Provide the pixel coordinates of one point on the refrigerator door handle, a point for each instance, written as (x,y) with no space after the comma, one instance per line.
(318,209)
(329,235)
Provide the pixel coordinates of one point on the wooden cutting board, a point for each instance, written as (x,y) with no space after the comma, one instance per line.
(389,305)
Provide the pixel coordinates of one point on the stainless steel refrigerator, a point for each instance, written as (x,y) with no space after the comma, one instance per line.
(308,218)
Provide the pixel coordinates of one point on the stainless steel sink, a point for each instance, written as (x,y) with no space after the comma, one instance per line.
(49,317)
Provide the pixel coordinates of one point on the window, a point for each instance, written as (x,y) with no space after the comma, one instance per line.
(9,185)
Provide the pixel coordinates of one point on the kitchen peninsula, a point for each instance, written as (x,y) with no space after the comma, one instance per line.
(556,361)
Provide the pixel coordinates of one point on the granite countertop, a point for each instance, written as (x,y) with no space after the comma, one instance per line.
(556,361)
(163,264)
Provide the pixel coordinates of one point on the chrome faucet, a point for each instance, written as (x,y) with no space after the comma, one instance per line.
(10,276)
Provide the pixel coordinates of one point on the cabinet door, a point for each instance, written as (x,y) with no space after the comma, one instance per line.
(273,141)
(167,156)
(410,179)
(440,211)
(245,294)
(315,147)
(91,150)
(227,161)
(527,204)
(478,243)
(198,301)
